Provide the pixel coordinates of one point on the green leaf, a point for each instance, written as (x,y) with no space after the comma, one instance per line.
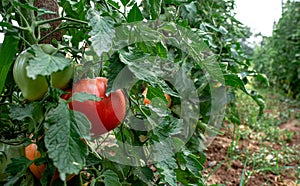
(156,93)
(40,11)
(125,2)
(223,30)
(134,14)
(62,139)
(262,78)
(83,125)
(145,174)
(111,178)
(154,8)
(115,69)
(8,50)
(259,101)
(102,32)
(75,8)
(17,168)
(189,11)
(178,144)
(147,68)
(17,165)
(83,96)
(45,64)
(167,170)
(33,111)
(114,4)
(193,165)
(235,81)
(161,50)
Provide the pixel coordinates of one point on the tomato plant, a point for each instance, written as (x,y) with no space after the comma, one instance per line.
(104,115)
(278,55)
(188,54)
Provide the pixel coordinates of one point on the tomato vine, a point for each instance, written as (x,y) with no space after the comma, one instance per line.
(188,50)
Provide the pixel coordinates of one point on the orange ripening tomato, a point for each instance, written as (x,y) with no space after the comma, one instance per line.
(104,115)
(147,101)
(32,153)
(169,100)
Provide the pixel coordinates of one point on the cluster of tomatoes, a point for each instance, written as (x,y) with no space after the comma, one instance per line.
(104,115)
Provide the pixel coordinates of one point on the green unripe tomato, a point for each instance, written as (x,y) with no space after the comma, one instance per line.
(35,89)
(47,48)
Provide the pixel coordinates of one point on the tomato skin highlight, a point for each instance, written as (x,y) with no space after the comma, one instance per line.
(104,115)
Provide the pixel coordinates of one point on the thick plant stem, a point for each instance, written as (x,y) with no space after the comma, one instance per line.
(51,5)
(26,26)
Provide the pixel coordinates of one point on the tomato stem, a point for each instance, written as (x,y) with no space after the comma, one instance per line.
(138,105)
(38,23)
(25,25)
(21,15)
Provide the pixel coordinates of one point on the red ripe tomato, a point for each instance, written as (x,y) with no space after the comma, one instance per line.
(104,115)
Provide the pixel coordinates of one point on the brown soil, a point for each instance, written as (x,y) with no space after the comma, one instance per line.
(228,171)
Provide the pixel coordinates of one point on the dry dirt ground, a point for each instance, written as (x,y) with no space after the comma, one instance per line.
(227,171)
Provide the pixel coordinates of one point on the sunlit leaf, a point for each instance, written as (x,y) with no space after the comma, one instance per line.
(134,14)
(45,64)
(102,32)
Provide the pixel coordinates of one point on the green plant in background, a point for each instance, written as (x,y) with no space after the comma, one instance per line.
(279,55)
(271,148)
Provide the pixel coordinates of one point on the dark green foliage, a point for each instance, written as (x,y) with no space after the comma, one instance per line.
(191,50)
(279,55)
